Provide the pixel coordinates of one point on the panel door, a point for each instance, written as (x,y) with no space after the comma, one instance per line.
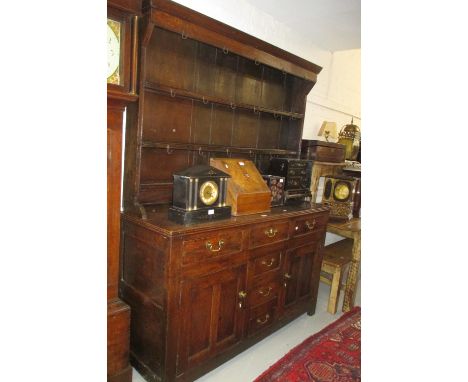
(302,274)
(213,314)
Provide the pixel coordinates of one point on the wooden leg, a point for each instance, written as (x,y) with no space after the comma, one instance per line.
(351,280)
(334,291)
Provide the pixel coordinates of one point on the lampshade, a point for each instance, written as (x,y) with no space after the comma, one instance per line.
(328,130)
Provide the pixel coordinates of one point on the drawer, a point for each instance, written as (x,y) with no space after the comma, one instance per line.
(269,233)
(308,224)
(297,172)
(264,292)
(266,263)
(205,247)
(261,316)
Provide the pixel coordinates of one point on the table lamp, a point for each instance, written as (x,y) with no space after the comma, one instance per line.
(328,130)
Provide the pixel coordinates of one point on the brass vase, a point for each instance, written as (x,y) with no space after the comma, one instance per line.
(350,136)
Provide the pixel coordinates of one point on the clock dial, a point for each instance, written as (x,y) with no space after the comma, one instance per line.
(341,191)
(209,192)
(113,51)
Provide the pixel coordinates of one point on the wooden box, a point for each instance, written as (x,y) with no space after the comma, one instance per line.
(247,191)
(322,151)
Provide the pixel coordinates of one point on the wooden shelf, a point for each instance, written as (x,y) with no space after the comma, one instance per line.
(181,93)
(214,148)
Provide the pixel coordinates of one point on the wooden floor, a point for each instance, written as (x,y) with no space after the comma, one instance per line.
(251,363)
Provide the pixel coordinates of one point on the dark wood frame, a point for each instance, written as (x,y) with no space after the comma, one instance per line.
(195,84)
(208,90)
(118,98)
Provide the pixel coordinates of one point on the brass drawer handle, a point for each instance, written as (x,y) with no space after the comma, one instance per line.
(270,263)
(242,296)
(264,321)
(271,232)
(209,246)
(310,226)
(264,293)
(287,277)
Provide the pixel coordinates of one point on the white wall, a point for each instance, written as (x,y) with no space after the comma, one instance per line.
(339,97)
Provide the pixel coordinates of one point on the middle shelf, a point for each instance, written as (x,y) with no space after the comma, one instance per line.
(182,93)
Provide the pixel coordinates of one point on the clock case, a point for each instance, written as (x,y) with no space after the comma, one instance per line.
(187,206)
(339,209)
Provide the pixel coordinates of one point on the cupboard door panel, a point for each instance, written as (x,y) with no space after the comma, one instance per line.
(302,267)
(227,311)
(213,319)
(200,319)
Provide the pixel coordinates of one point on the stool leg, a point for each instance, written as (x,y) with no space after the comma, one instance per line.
(334,291)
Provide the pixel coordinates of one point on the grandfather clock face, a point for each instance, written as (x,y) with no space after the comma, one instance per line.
(113,51)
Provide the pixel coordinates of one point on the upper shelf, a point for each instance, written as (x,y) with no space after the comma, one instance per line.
(188,23)
(173,92)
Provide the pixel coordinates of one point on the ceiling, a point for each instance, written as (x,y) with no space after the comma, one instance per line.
(330,24)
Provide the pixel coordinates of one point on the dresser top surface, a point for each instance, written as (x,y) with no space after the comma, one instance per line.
(157,219)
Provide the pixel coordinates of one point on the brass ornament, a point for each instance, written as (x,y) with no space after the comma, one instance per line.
(350,136)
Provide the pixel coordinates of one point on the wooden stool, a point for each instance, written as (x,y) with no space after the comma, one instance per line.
(335,257)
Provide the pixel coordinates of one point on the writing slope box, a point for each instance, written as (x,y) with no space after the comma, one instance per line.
(247,191)
(322,151)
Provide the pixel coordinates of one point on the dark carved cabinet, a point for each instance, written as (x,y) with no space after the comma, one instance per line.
(201,293)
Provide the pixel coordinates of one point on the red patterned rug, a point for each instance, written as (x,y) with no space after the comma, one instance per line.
(331,355)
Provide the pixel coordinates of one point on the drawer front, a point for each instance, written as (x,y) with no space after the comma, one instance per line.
(261,317)
(309,224)
(269,233)
(209,246)
(266,263)
(264,292)
(297,171)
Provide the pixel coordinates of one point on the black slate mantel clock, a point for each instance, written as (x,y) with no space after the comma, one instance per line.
(199,194)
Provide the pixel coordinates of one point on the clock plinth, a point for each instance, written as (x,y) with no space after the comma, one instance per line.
(185,217)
